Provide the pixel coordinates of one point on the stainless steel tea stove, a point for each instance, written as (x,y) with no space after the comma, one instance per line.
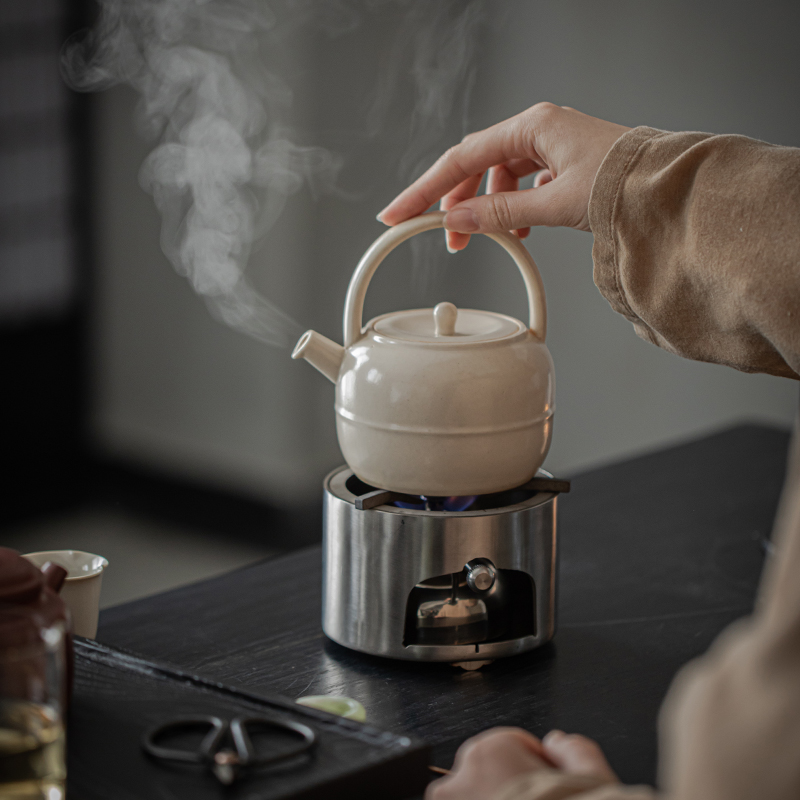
(465,587)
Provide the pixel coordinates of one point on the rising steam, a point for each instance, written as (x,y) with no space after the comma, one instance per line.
(226,160)
(434,50)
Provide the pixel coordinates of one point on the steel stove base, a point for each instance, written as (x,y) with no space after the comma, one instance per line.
(382,566)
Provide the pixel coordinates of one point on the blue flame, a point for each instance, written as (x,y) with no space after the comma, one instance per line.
(439,503)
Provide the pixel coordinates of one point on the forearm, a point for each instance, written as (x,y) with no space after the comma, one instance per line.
(697,243)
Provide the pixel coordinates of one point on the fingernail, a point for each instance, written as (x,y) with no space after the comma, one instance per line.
(378,216)
(462,220)
(554,734)
(450,249)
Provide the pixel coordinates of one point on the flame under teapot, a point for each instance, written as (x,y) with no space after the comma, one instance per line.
(440,401)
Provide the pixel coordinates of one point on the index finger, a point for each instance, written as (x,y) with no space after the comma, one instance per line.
(476,153)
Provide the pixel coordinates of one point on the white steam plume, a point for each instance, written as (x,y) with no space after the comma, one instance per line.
(225,164)
(226,161)
(442,37)
(436,49)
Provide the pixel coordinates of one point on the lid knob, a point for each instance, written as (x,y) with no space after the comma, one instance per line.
(444,318)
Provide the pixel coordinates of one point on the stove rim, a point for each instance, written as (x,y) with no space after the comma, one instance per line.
(344,494)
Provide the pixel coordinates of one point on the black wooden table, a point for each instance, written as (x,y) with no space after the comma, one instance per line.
(658,555)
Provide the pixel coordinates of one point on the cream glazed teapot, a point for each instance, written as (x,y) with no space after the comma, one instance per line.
(442,401)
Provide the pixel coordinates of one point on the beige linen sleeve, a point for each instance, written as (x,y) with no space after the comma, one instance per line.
(697,243)
(730,727)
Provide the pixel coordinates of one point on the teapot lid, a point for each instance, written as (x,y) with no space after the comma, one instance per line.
(447,324)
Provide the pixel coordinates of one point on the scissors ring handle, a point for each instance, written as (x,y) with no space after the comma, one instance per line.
(244,747)
(210,743)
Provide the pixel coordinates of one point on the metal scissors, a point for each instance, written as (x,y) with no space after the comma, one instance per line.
(213,752)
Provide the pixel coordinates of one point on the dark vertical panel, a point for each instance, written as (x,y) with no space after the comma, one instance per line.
(44,263)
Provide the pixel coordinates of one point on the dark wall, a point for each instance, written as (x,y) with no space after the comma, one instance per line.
(44,262)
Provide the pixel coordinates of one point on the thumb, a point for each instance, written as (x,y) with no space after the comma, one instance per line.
(509,211)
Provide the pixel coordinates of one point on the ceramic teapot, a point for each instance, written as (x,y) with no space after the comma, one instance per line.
(441,401)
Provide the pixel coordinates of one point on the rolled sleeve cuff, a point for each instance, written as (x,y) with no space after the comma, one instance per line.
(603,207)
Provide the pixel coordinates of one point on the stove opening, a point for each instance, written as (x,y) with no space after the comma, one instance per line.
(443,610)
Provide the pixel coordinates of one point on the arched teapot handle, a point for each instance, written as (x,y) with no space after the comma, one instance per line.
(384,244)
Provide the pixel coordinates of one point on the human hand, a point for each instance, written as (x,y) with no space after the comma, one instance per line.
(566,145)
(487,761)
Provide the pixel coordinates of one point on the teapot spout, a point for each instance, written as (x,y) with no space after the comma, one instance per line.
(322,353)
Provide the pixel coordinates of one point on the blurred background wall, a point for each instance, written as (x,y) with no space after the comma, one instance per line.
(176,391)
(140,427)
(44,263)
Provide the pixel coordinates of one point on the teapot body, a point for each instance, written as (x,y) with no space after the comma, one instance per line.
(442,401)
(442,419)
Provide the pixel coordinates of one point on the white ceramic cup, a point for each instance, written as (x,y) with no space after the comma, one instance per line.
(81,590)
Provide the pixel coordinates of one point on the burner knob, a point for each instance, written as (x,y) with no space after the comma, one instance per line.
(481,575)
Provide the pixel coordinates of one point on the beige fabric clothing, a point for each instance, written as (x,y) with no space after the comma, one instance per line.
(697,243)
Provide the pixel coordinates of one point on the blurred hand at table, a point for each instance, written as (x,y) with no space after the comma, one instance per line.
(564,146)
(487,761)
